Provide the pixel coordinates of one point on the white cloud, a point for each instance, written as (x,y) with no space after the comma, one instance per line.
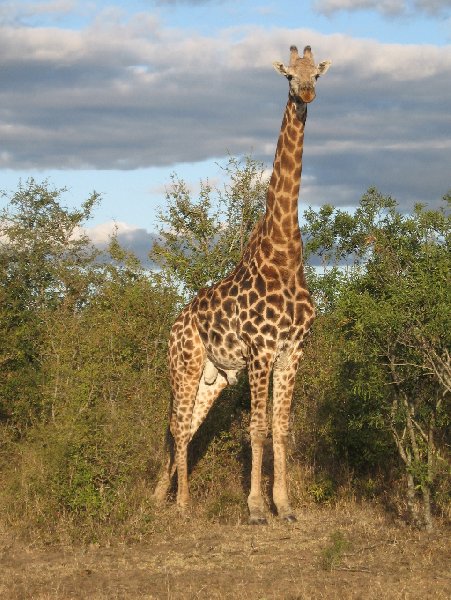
(194,2)
(386,7)
(19,11)
(132,238)
(124,95)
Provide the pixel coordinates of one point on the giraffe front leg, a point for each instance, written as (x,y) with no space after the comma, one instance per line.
(255,501)
(259,383)
(283,383)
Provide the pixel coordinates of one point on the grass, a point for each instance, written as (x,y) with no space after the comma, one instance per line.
(370,556)
(332,555)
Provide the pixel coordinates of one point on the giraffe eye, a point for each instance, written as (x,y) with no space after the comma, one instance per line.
(289,77)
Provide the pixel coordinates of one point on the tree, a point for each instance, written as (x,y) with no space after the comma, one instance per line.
(83,391)
(43,259)
(202,239)
(393,308)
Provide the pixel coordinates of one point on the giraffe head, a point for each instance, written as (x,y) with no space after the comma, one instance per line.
(302,74)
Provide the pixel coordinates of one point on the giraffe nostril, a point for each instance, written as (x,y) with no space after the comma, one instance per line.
(307,95)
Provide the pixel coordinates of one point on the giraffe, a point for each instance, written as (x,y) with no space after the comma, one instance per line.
(255,318)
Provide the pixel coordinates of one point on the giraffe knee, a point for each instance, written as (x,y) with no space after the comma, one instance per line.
(180,430)
(259,426)
(281,432)
(258,435)
(280,438)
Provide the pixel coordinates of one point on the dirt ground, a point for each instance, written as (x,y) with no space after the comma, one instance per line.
(346,552)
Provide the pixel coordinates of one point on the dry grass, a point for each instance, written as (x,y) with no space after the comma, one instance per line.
(367,557)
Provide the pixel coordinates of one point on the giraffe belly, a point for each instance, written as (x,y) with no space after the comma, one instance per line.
(211,372)
(217,330)
(228,363)
(226,359)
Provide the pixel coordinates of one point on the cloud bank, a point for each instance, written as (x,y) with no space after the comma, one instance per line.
(386,7)
(130,94)
(131,238)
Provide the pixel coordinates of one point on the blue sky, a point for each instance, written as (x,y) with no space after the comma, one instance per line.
(393,21)
(115,96)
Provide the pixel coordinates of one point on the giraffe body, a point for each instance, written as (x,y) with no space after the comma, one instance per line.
(255,318)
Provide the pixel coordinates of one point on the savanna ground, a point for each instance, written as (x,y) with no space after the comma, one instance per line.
(344,551)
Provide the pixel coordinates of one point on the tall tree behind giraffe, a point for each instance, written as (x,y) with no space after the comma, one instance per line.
(203,238)
(256,318)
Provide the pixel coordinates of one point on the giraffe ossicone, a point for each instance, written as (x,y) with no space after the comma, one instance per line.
(255,318)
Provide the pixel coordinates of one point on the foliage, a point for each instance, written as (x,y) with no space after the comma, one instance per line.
(202,239)
(84,395)
(108,398)
(332,555)
(322,490)
(84,389)
(42,256)
(394,315)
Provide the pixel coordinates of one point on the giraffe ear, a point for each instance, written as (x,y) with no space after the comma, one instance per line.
(323,67)
(280,68)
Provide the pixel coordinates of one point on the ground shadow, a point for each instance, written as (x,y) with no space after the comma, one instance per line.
(227,409)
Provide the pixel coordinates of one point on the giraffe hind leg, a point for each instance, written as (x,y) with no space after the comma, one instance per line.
(185,392)
(167,471)
(186,363)
(205,397)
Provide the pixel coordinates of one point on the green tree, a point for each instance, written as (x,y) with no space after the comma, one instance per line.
(202,239)
(107,391)
(43,257)
(393,309)
(83,385)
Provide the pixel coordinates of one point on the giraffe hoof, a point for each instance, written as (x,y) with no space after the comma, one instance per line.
(160,495)
(258,521)
(290,518)
(183,510)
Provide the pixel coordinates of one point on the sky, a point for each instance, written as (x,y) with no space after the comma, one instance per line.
(115,96)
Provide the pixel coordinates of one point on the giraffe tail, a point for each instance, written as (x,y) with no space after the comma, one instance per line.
(167,470)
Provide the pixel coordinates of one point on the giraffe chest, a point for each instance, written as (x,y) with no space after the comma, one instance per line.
(232,319)
(278,317)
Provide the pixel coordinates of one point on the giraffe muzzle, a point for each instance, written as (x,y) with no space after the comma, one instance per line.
(307,95)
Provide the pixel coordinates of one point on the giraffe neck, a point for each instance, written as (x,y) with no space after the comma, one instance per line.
(283,192)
